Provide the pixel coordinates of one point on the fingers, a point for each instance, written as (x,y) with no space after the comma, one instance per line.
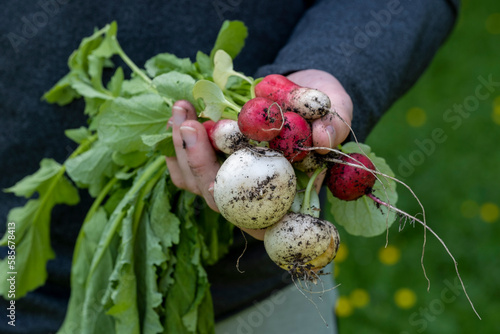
(201,159)
(257,234)
(333,128)
(177,165)
(195,165)
(330,130)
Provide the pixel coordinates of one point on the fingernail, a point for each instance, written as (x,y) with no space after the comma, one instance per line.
(178,115)
(188,135)
(170,123)
(331,135)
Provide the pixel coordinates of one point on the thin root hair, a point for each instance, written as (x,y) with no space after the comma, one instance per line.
(282,116)
(413,219)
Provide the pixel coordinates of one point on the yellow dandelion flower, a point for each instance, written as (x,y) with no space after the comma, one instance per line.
(489,212)
(336,271)
(496,101)
(389,255)
(359,298)
(405,298)
(342,253)
(344,307)
(493,23)
(495,115)
(416,117)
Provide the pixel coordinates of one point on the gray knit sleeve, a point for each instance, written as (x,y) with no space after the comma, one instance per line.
(376,49)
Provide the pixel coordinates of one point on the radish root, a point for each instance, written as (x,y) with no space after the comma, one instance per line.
(403,214)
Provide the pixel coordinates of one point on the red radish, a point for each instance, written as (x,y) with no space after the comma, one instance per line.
(295,134)
(308,102)
(227,137)
(260,119)
(348,182)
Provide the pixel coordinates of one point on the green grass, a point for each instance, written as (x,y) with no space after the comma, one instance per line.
(453,182)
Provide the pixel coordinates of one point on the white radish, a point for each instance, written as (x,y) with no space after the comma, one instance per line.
(302,244)
(255,187)
(227,137)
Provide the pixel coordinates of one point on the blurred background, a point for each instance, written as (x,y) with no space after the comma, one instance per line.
(442,140)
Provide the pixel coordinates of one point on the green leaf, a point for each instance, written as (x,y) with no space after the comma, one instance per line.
(190,287)
(135,86)
(121,122)
(41,180)
(204,64)
(32,225)
(132,159)
(62,93)
(85,312)
(175,86)
(214,100)
(78,135)
(96,67)
(109,45)
(78,60)
(83,64)
(167,62)
(92,106)
(150,256)
(164,222)
(231,38)
(223,69)
(162,142)
(216,233)
(86,89)
(92,168)
(122,287)
(32,246)
(363,217)
(116,81)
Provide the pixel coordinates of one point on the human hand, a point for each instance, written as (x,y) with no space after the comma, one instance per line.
(330,130)
(195,165)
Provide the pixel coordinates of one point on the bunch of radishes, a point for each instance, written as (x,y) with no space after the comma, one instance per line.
(267,146)
(256,186)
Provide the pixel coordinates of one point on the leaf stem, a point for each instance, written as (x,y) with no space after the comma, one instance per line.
(48,194)
(145,190)
(120,213)
(131,64)
(239,97)
(104,192)
(95,205)
(306,204)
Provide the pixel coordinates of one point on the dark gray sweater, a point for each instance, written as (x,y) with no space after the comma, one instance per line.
(377,49)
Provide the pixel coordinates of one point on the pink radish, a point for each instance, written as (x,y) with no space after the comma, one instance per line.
(260,119)
(227,137)
(209,127)
(348,182)
(308,102)
(295,134)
